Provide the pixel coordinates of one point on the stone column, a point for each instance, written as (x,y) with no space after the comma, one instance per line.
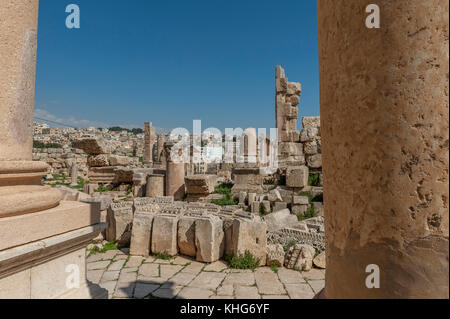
(149,136)
(160,147)
(74,173)
(39,234)
(384,123)
(250,145)
(174,175)
(155,185)
(20,178)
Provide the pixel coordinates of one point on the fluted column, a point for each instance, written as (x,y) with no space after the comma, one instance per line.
(20,178)
(384,125)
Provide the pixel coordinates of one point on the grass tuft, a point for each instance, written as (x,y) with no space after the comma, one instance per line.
(246,261)
(163,256)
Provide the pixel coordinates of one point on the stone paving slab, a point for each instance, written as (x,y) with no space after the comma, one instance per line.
(242,279)
(245,292)
(184,278)
(317,285)
(268,283)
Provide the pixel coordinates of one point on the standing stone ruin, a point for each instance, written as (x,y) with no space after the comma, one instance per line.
(384,114)
(39,234)
(149,141)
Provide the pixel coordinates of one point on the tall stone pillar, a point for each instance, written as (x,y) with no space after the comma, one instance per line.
(40,236)
(149,137)
(384,125)
(20,178)
(174,175)
(160,147)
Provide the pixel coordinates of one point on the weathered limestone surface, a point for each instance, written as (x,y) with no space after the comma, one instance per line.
(155,185)
(92,146)
(384,121)
(174,175)
(100,160)
(199,186)
(186,236)
(300,257)
(33,261)
(247,178)
(149,140)
(297,176)
(250,235)
(209,238)
(141,234)
(120,220)
(164,235)
(31,227)
(275,255)
(280,219)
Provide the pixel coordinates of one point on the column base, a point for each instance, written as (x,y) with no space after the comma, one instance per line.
(50,268)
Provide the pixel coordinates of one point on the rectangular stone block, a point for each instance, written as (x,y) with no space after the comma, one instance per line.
(186,236)
(279,206)
(255,207)
(308,134)
(250,235)
(15,230)
(49,280)
(209,238)
(120,220)
(141,234)
(300,200)
(164,235)
(297,176)
(290,149)
(200,184)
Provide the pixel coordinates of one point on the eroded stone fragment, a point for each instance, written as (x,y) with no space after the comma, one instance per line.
(297,176)
(120,219)
(164,235)
(209,238)
(250,235)
(186,236)
(141,234)
(275,255)
(300,257)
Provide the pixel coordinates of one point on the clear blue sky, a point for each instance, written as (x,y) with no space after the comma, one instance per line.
(170,62)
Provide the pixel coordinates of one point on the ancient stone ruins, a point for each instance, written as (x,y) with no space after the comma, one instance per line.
(115,205)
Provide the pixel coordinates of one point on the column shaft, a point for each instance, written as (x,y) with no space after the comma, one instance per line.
(384,125)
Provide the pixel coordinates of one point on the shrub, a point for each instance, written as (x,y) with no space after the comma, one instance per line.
(38,144)
(310,213)
(101,189)
(246,261)
(274,268)
(225,190)
(225,201)
(314,179)
(106,247)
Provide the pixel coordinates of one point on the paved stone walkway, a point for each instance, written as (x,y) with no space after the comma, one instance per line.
(137,277)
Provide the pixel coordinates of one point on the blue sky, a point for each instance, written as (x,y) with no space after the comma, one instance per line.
(170,62)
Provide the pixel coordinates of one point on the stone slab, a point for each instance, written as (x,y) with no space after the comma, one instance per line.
(68,216)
